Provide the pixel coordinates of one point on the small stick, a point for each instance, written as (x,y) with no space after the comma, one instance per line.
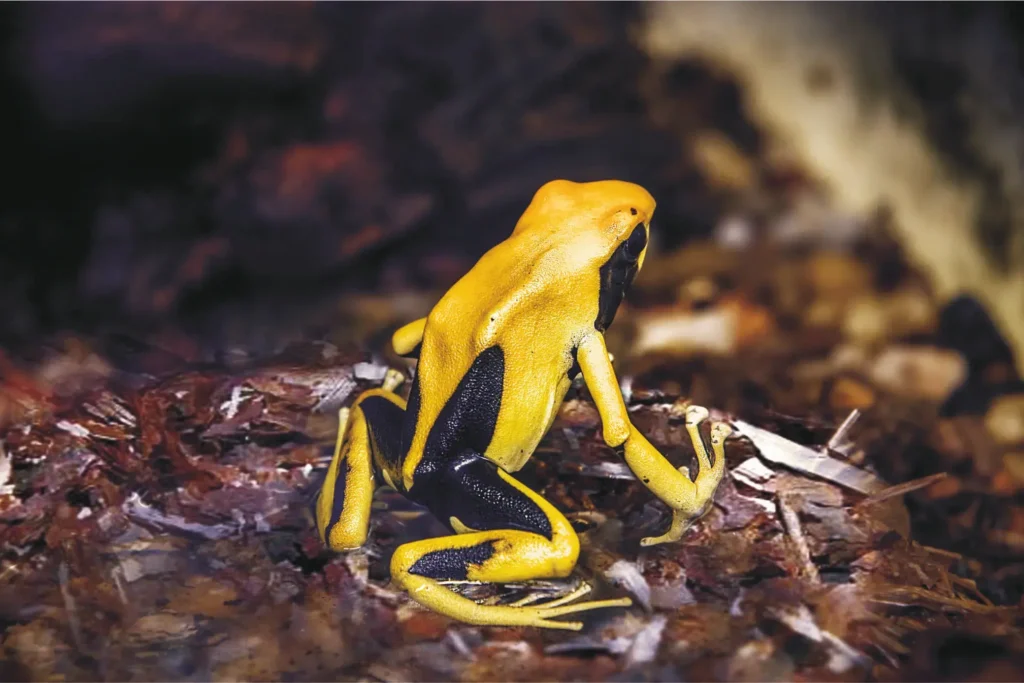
(904,488)
(69,606)
(837,442)
(791,521)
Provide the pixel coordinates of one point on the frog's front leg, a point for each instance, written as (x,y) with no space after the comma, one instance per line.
(343,506)
(507,533)
(689,500)
(407,339)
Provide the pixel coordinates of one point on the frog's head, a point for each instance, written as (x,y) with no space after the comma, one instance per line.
(603,225)
(607,219)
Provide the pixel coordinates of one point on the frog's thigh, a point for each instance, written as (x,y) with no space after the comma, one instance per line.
(343,507)
(521,535)
(508,533)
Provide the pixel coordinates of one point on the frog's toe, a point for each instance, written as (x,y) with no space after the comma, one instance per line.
(696,414)
(552,610)
(392,379)
(528,600)
(563,625)
(569,597)
(680,523)
(542,614)
(720,431)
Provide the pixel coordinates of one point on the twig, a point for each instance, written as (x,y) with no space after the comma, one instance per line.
(838,441)
(904,488)
(915,596)
(791,522)
(69,606)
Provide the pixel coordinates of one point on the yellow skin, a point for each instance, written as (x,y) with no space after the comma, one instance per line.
(497,356)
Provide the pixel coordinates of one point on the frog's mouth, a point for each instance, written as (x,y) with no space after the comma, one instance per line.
(617,275)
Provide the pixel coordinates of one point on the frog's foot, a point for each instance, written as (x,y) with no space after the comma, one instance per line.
(578,592)
(541,615)
(545,610)
(494,510)
(708,476)
(431,594)
(392,380)
(681,522)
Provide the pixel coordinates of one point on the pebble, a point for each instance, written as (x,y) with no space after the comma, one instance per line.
(1005,420)
(921,372)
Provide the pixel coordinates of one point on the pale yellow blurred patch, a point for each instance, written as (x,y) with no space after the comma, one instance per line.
(796,64)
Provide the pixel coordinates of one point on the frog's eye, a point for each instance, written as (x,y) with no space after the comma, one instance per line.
(634,246)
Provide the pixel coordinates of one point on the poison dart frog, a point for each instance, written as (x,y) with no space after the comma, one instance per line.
(496,357)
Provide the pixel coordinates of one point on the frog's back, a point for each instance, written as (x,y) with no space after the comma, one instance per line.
(495,343)
(523,290)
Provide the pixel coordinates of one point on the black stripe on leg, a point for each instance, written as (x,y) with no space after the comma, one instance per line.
(472,491)
(338,504)
(452,564)
(384,420)
(574,369)
(412,415)
(470,416)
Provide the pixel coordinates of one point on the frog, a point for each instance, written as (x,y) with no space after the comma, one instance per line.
(494,360)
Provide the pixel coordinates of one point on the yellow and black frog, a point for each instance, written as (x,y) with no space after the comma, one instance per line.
(497,356)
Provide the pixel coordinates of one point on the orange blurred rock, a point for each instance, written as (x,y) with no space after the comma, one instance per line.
(833,273)
(753,323)
(1005,483)
(421,624)
(848,393)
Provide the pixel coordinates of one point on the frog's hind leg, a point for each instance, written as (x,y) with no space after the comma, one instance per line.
(343,506)
(507,533)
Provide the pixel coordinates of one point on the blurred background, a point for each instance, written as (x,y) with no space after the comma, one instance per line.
(231,174)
